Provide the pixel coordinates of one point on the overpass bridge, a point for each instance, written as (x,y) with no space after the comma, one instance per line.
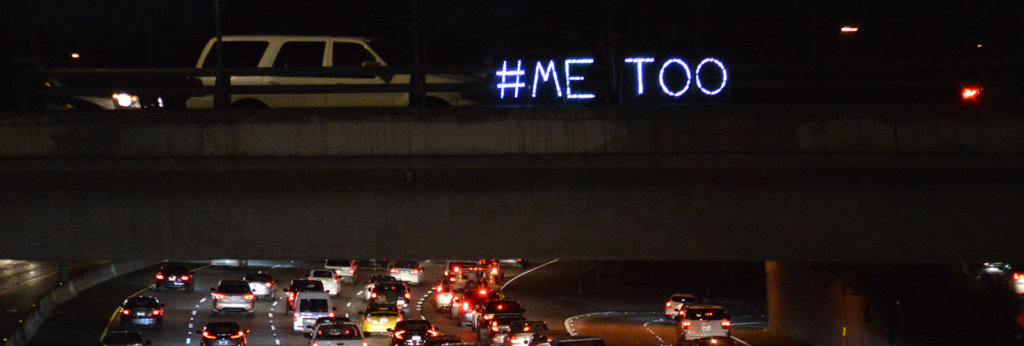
(783,183)
(881,182)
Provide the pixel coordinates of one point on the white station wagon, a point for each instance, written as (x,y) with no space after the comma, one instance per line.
(251,51)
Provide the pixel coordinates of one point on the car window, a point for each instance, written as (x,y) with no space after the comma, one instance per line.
(332,331)
(313,305)
(141,303)
(222,327)
(234,288)
(415,327)
(300,54)
(679,299)
(238,54)
(706,314)
(323,274)
(338,263)
(407,264)
(258,277)
(351,54)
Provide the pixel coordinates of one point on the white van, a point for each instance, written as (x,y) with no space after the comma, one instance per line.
(312,52)
(310,306)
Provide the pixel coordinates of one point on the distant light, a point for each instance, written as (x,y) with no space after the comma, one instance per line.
(970,93)
(979,45)
(848,29)
(75,56)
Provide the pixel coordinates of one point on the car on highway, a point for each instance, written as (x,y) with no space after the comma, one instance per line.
(220,333)
(713,341)
(345,269)
(392,293)
(494,333)
(527,333)
(364,56)
(24,85)
(142,311)
(124,338)
(262,284)
(373,265)
(374,280)
(412,332)
(1017,281)
(231,263)
(301,285)
(332,284)
(453,267)
(493,308)
(310,306)
(442,295)
(443,340)
(331,319)
(702,321)
(514,262)
(408,271)
(468,304)
(379,318)
(174,276)
(233,296)
(336,334)
(676,303)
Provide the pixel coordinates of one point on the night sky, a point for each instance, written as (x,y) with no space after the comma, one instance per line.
(140,33)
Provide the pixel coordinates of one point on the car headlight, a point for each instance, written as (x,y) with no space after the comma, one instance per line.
(126,101)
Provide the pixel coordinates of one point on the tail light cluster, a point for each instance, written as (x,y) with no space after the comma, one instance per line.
(291,296)
(494,326)
(465,306)
(219,295)
(668,304)
(415,271)
(185,278)
(125,312)
(726,324)
(686,325)
(373,295)
(399,334)
(394,270)
(432,332)
(1018,276)
(239,335)
(269,284)
(488,316)
(159,276)
(158,312)
(206,335)
(249,296)
(407,296)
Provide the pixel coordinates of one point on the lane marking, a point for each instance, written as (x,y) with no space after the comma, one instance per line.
(571,321)
(188,341)
(118,310)
(190,326)
(649,330)
(273,327)
(193,312)
(527,272)
(740,341)
(277,341)
(348,305)
(202,300)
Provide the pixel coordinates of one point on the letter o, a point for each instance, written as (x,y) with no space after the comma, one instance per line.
(725,76)
(661,77)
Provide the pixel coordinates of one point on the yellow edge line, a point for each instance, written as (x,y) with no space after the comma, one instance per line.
(114,315)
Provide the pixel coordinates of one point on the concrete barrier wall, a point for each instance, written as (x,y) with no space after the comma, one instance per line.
(64,292)
(915,128)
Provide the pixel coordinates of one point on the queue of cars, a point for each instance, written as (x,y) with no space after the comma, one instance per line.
(698,324)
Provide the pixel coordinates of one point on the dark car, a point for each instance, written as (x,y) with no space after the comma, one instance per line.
(222,333)
(393,293)
(444,340)
(496,329)
(372,264)
(464,310)
(412,332)
(496,307)
(301,286)
(336,334)
(142,311)
(174,276)
(713,341)
(123,338)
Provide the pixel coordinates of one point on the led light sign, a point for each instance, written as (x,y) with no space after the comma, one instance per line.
(675,77)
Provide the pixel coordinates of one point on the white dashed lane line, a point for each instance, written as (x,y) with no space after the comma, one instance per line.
(649,330)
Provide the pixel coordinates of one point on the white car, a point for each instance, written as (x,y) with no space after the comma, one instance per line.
(229,263)
(311,52)
(702,321)
(408,271)
(332,284)
(676,303)
(346,269)
(309,306)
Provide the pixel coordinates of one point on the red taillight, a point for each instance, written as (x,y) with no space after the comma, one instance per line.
(368,319)
(1018,276)
(407,296)
(726,324)
(207,335)
(438,288)
(465,306)
(219,296)
(394,270)
(452,279)
(295,315)
(457,269)
(249,296)
(494,326)
(269,284)
(415,271)
(668,304)
(315,344)
(239,335)
(494,271)
(399,333)
(399,318)
(686,325)
(365,343)
(352,270)
(330,314)
(482,292)
(158,312)
(125,312)
(526,328)
(488,316)
(291,296)
(185,277)
(159,276)
(335,280)
(970,93)
(432,332)
(373,295)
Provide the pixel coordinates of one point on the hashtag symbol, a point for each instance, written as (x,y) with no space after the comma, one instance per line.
(505,73)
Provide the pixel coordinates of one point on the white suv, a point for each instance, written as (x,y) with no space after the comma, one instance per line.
(676,303)
(330,279)
(306,52)
(702,321)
